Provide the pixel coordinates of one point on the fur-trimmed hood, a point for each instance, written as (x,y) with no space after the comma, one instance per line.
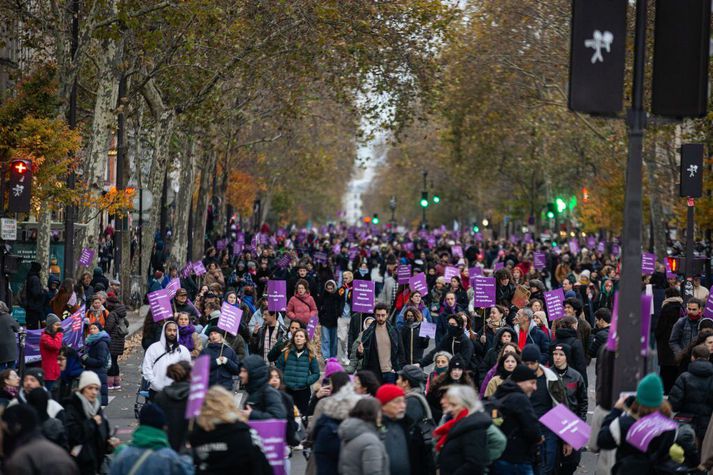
(339,405)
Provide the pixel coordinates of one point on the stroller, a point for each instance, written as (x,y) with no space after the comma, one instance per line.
(142,397)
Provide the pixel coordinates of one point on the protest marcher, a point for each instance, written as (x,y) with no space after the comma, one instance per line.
(566,333)
(299,365)
(34,378)
(504,368)
(188,336)
(457,374)
(97,357)
(9,386)
(528,333)
(117,326)
(381,350)
(269,335)
(414,345)
(50,344)
(329,308)
(440,366)
(396,439)
(504,288)
(691,396)
(449,308)
(160,355)
(301,306)
(264,401)
(685,330)
(224,362)
(355,363)
(52,428)
(276,381)
(34,297)
(671,311)
(222,438)
(503,336)
(415,302)
(8,343)
(366,382)
(149,452)
(181,305)
(494,322)
(172,399)
(362,452)
(455,342)
(345,316)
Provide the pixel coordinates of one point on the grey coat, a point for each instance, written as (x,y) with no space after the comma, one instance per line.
(362,452)
(8,341)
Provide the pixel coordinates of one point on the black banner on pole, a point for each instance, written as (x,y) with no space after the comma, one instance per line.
(691,170)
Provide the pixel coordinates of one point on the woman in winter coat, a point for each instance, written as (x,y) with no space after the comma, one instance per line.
(172,399)
(671,310)
(188,337)
(414,345)
(50,344)
(298,362)
(222,439)
(504,288)
(415,301)
(506,365)
(456,374)
(362,451)
(117,326)
(462,438)
(214,276)
(566,333)
(301,306)
(96,313)
(506,348)
(329,313)
(691,395)
(460,293)
(97,357)
(88,432)
(503,336)
(224,362)
(60,303)
(8,339)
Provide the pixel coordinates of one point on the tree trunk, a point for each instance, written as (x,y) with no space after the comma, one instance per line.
(656,202)
(201,212)
(44,233)
(184,201)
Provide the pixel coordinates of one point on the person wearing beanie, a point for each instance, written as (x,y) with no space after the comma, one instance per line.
(331,366)
(629,409)
(455,342)
(685,330)
(329,306)
(396,440)
(457,374)
(25,448)
(51,427)
(224,362)
(34,378)
(519,422)
(550,391)
(162,354)
(566,333)
(88,431)
(97,357)
(529,333)
(50,344)
(149,452)
(117,326)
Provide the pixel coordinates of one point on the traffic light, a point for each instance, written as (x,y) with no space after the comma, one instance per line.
(436,199)
(424,199)
(375,219)
(476,229)
(20,186)
(550,210)
(561,205)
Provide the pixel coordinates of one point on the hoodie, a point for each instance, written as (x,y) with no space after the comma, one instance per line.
(325,435)
(362,452)
(691,395)
(173,401)
(162,460)
(159,356)
(264,400)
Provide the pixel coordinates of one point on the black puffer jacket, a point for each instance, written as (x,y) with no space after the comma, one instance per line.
(520,424)
(172,399)
(84,432)
(117,314)
(692,395)
(568,336)
(264,400)
(463,451)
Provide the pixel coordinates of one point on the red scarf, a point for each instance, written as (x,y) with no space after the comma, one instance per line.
(441,432)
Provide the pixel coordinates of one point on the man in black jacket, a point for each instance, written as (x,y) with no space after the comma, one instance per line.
(380,347)
(264,401)
(35,297)
(692,393)
(455,342)
(181,305)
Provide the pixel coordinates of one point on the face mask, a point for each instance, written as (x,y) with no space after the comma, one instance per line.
(454,331)
(441,370)
(363,271)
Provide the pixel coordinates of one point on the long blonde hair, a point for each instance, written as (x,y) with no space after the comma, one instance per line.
(218,408)
(308,345)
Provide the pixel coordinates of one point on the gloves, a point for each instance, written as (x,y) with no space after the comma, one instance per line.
(221,361)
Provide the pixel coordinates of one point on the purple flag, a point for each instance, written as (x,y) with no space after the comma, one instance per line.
(427,330)
(160,304)
(312,326)
(643,431)
(708,310)
(484,291)
(187,269)
(567,426)
(539,260)
(199,386)
(363,296)
(72,335)
(457,251)
(173,286)
(199,268)
(612,336)
(473,271)
(417,283)
(237,248)
(86,257)
(276,295)
(230,317)
(554,301)
(450,272)
(648,263)
(272,433)
(403,274)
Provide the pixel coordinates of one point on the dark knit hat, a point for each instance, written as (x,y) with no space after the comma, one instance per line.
(51,319)
(36,373)
(649,392)
(564,348)
(413,374)
(152,415)
(522,373)
(531,352)
(456,362)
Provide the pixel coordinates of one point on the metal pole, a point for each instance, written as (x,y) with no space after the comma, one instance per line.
(69,210)
(120,165)
(423,208)
(690,221)
(141,230)
(629,363)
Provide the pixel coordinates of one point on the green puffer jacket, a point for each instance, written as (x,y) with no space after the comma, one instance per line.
(299,373)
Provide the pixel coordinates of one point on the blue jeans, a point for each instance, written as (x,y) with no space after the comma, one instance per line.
(329,342)
(548,452)
(501,467)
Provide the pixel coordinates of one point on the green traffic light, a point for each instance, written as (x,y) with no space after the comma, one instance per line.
(476,229)
(561,205)
(375,220)
(424,203)
(436,199)
(572,203)
(554,243)
(550,214)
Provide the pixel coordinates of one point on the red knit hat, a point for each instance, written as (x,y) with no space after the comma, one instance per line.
(388,392)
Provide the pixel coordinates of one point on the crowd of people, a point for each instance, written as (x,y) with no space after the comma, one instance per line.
(364,392)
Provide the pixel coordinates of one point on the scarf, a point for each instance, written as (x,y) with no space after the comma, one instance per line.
(185,336)
(438,370)
(92,338)
(442,431)
(90,409)
(12,390)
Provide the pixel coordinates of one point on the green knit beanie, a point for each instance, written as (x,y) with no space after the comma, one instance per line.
(649,393)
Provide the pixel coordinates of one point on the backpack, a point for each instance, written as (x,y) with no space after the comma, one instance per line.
(424,428)
(122,327)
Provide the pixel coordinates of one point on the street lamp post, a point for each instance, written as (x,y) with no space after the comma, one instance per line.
(70,210)
(424,224)
(392,206)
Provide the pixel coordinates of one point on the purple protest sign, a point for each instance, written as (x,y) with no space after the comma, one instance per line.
(615,249)
(591,242)
(574,246)
(539,260)
(643,431)
(403,274)
(450,272)
(237,248)
(363,296)
(353,253)
(645,322)
(612,336)
(648,263)
(528,238)
(417,283)
(457,251)
(199,386)
(567,426)
(230,317)
(276,295)
(473,271)
(408,246)
(427,330)
(160,304)
(283,261)
(199,268)
(86,257)
(320,257)
(173,286)
(708,310)
(478,236)
(554,302)
(272,433)
(312,326)
(220,244)
(498,265)
(484,291)
(431,240)
(72,336)
(601,246)
(186,271)
(336,249)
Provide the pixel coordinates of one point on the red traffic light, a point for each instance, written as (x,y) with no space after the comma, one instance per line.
(20,166)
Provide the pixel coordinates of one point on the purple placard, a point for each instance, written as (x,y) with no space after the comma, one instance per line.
(528,238)
(499,265)
(199,386)
(574,246)
(220,244)
(320,257)
(427,330)
(312,326)
(708,310)
(478,236)
(276,295)
(86,257)
(450,272)
(408,246)
(539,260)
(418,283)
(648,263)
(643,431)
(173,286)
(353,253)
(615,249)
(240,238)
(72,335)
(230,317)
(457,251)
(602,246)
(283,261)
(160,304)
(591,242)
(612,336)
(237,248)
(645,323)
(473,271)
(567,426)
(484,291)
(363,296)
(187,269)
(554,301)
(272,433)
(431,240)
(199,268)
(336,249)
(403,274)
